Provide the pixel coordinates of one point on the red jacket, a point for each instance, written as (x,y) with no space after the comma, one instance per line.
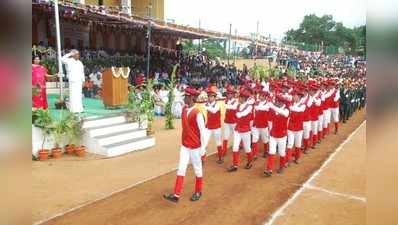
(279,125)
(213,119)
(296,117)
(190,130)
(243,123)
(261,112)
(306,114)
(230,114)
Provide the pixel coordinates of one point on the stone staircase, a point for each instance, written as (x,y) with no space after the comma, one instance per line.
(112,135)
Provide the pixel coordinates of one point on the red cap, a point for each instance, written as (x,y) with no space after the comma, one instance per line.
(281,99)
(263,92)
(210,91)
(230,89)
(139,80)
(191,91)
(244,93)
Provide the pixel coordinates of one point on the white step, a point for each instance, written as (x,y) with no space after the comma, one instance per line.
(120,136)
(127,146)
(109,129)
(102,121)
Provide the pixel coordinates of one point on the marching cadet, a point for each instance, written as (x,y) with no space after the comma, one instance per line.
(335,107)
(231,105)
(242,131)
(260,125)
(193,135)
(307,100)
(345,102)
(295,127)
(213,124)
(278,135)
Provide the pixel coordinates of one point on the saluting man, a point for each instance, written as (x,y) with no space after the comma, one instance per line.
(231,105)
(242,131)
(193,134)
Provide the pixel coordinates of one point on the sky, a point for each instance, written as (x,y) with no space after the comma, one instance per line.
(275,17)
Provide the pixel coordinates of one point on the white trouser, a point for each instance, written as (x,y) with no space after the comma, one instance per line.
(307,129)
(213,132)
(187,154)
(228,130)
(314,126)
(326,118)
(277,142)
(245,138)
(320,122)
(75,97)
(335,114)
(294,138)
(258,133)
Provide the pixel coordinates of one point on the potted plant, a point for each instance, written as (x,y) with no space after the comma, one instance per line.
(76,136)
(42,119)
(59,130)
(70,121)
(147,107)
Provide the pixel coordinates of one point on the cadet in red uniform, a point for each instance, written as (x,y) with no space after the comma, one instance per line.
(231,104)
(213,123)
(295,127)
(313,110)
(193,128)
(242,131)
(278,134)
(307,100)
(260,126)
(335,107)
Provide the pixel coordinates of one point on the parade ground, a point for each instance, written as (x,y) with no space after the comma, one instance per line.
(327,187)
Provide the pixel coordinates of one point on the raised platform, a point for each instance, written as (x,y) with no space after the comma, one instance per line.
(92,107)
(112,135)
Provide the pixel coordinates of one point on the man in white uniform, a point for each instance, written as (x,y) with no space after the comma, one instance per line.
(75,73)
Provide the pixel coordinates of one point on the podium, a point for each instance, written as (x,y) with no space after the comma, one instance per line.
(115,86)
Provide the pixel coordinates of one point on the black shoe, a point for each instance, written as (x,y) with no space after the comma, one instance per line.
(232,169)
(248,166)
(280,170)
(171,197)
(220,161)
(267,173)
(196,196)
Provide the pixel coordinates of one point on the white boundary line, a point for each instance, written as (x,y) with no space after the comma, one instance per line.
(312,187)
(280,211)
(107,195)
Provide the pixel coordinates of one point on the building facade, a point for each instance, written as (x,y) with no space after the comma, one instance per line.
(80,32)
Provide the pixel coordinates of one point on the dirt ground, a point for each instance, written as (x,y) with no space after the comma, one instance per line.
(69,182)
(244,197)
(333,196)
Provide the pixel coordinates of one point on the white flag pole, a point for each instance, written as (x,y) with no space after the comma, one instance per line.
(58,34)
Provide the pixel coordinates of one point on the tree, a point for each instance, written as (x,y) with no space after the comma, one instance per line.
(315,30)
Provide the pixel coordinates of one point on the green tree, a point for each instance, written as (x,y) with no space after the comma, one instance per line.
(317,31)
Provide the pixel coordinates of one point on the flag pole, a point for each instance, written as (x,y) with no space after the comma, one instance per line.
(58,35)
